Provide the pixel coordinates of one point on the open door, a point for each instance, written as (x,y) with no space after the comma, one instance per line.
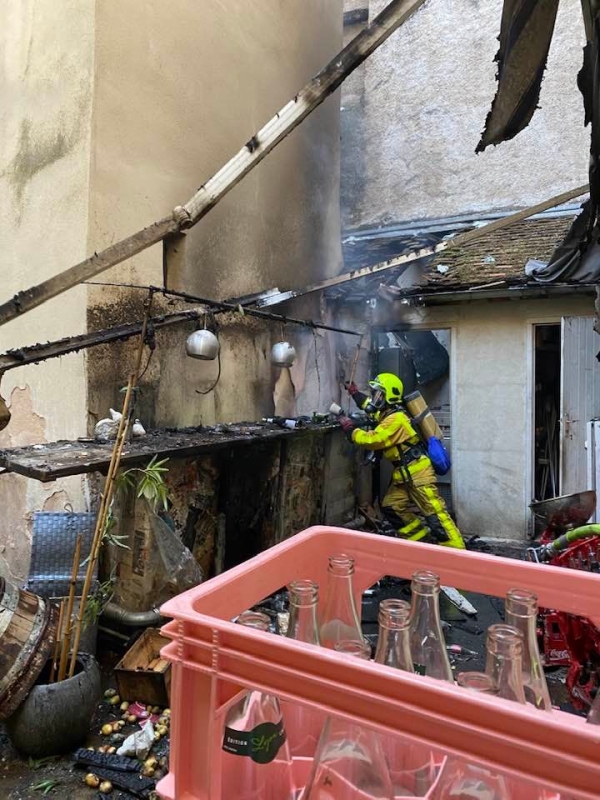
(579,399)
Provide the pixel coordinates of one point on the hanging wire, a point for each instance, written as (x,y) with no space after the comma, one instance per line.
(214,386)
(148,360)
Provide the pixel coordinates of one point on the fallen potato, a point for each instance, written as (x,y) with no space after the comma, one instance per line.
(92,780)
(105,787)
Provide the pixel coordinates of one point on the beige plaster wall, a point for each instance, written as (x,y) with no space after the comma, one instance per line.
(46,51)
(425,97)
(179,88)
(490,360)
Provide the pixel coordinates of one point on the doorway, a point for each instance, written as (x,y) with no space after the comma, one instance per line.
(421,359)
(546,427)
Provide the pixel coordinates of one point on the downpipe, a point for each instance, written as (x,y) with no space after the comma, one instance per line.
(132,619)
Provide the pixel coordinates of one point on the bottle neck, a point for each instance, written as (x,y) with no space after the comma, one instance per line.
(503,664)
(393,645)
(476,682)
(339,618)
(427,643)
(303,625)
(526,625)
(393,649)
(426,606)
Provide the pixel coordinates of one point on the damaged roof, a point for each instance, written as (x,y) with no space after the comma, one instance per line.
(499,256)
(496,260)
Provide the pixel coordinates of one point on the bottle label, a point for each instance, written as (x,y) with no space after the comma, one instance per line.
(260,744)
(420,669)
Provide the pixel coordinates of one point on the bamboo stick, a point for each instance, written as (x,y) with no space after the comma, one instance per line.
(66,639)
(57,644)
(245,160)
(109,487)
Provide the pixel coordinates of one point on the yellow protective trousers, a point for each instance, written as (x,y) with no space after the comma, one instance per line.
(422,493)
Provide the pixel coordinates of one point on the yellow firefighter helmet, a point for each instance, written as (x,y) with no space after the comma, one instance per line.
(387,388)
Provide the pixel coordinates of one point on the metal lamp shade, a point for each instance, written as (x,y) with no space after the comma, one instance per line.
(283,354)
(203,345)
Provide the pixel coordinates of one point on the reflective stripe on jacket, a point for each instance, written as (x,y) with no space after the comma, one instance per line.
(394,435)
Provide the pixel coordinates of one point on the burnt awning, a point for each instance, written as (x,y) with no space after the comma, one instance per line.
(47,462)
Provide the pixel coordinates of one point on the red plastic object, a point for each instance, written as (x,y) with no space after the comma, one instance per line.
(213,659)
(556,647)
(569,640)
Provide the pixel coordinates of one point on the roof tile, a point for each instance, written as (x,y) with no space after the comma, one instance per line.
(498,256)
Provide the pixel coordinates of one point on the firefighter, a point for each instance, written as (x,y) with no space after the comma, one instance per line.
(413,480)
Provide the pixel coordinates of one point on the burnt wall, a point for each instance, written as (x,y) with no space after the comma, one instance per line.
(235,503)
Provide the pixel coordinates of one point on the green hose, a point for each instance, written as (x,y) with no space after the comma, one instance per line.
(560,544)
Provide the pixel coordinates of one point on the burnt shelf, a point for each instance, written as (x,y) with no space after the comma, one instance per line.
(47,462)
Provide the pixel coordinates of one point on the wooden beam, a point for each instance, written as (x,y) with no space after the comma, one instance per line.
(272,299)
(251,154)
(31,298)
(304,103)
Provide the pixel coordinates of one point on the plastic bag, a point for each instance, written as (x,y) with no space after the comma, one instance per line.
(139,744)
(152,565)
(179,568)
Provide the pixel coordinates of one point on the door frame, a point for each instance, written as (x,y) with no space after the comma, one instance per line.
(432,325)
(531,324)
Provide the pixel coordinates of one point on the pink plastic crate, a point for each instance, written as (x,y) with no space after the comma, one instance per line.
(214,659)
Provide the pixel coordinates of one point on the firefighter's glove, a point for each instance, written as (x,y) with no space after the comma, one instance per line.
(347,425)
(351,388)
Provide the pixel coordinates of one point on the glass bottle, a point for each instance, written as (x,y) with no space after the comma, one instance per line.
(511,688)
(393,645)
(303,723)
(349,763)
(477,682)
(504,661)
(459,780)
(255,757)
(412,765)
(593,716)
(427,643)
(304,598)
(521,612)
(339,619)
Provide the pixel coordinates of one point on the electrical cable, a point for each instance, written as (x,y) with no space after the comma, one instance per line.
(219,307)
(214,386)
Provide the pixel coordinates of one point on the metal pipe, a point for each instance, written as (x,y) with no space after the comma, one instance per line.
(32,354)
(134,619)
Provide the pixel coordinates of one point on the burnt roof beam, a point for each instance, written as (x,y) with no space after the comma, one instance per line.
(251,154)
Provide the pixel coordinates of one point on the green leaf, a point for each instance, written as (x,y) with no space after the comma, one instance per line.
(45,787)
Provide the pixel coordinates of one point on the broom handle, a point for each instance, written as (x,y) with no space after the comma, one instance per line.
(355,361)
(109,488)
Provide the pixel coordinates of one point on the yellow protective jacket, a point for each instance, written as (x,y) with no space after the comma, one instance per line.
(396,436)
